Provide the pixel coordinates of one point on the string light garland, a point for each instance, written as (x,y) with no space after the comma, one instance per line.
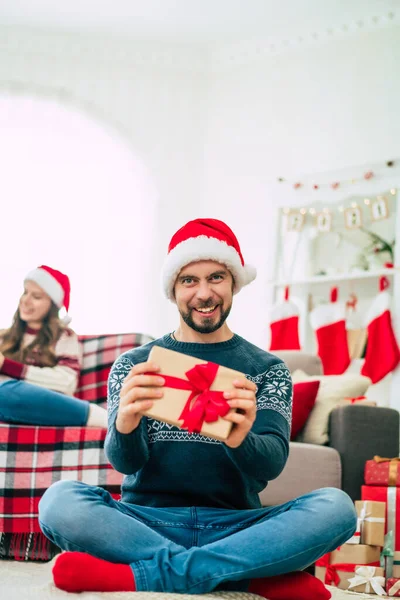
(335,185)
(351,212)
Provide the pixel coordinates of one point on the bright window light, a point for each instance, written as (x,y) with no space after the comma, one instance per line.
(74,196)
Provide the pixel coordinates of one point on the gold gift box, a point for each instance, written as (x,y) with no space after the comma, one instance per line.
(170,406)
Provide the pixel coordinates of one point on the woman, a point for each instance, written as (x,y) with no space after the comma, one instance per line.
(40,359)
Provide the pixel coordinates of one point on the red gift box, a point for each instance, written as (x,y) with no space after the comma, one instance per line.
(382,471)
(393,587)
(390,495)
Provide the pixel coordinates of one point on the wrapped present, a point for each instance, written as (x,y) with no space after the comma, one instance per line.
(337,567)
(368,580)
(193,393)
(396,565)
(359,401)
(371,516)
(370,523)
(391,496)
(382,471)
(393,587)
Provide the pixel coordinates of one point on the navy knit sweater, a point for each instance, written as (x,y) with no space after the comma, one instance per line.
(166,466)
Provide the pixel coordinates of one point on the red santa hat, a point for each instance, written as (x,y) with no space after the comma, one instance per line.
(55,284)
(205,239)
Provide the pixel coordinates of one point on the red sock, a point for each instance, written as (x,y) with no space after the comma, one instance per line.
(80,572)
(299,584)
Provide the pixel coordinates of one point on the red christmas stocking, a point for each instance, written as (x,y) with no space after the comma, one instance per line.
(383,354)
(284,325)
(329,323)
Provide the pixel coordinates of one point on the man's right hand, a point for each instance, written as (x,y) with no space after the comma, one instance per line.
(138,392)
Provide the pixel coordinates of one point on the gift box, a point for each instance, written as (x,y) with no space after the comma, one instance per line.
(337,567)
(370,523)
(382,471)
(372,520)
(368,580)
(393,587)
(391,496)
(193,393)
(396,565)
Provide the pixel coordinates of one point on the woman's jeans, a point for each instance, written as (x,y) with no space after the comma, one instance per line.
(29,404)
(196,550)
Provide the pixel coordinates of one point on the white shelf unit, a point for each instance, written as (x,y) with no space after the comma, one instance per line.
(339,277)
(304,288)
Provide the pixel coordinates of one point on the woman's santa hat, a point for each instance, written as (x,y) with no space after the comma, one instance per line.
(205,239)
(55,284)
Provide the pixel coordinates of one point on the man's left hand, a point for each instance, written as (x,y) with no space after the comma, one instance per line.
(243,399)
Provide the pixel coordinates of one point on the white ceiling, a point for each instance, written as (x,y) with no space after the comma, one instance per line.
(199,20)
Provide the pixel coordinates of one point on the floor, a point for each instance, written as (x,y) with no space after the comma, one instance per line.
(33,581)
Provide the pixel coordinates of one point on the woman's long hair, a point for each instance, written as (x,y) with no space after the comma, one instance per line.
(41,349)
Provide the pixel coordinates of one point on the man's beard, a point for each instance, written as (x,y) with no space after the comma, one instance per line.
(208,325)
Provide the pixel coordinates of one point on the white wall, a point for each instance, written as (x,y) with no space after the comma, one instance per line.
(152,96)
(215,139)
(322,108)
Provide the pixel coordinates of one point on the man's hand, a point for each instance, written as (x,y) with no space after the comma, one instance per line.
(243,398)
(1,359)
(137,394)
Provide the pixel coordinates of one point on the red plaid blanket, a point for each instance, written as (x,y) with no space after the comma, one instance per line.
(32,458)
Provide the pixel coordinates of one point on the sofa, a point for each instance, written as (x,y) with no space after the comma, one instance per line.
(356,434)
(32,458)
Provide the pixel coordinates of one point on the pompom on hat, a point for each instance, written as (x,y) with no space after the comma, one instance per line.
(205,239)
(55,284)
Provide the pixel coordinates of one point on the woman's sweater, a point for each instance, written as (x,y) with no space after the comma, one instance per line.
(61,378)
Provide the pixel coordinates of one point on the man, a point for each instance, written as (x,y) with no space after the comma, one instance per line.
(190,519)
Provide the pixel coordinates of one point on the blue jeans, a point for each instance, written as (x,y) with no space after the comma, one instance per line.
(29,404)
(196,550)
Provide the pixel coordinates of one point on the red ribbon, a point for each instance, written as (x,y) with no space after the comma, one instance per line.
(331,575)
(356,399)
(203,404)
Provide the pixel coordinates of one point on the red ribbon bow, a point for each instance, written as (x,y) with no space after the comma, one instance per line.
(356,399)
(203,404)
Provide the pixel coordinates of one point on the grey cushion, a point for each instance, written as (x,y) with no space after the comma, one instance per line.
(308,468)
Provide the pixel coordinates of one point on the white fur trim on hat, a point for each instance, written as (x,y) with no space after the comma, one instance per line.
(48,285)
(204,248)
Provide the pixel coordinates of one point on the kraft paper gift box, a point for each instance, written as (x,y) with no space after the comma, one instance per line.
(337,567)
(393,587)
(368,580)
(371,522)
(382,471)
(193,393)
(391,496)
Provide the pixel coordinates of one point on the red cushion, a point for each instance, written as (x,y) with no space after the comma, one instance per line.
(304,396)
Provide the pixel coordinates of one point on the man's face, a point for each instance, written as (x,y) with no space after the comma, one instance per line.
(203,294)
